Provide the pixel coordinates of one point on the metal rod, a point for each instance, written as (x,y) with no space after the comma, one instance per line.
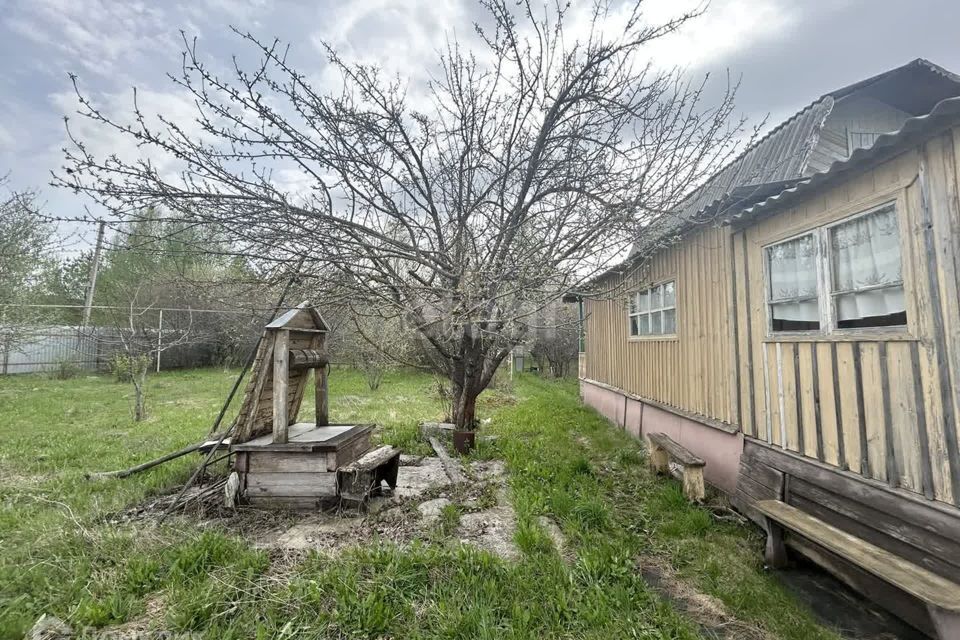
(226,404)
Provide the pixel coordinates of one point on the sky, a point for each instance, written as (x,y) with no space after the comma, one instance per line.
(785,52)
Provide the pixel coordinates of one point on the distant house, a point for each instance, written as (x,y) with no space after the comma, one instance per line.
(797,324)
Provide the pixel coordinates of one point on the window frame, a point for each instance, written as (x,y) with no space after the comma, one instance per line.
(826,296)
(633,300)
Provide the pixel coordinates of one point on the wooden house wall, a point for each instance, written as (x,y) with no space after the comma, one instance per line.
(884,404)
(693,371)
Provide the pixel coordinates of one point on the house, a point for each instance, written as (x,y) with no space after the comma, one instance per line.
(796,324)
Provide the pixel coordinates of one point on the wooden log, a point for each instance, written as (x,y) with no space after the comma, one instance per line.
(281,353)
(449,464)
(308,358)
(659,459)
(693,487)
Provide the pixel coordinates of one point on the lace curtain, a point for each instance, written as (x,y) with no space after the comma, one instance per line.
(867,270)
(793,280)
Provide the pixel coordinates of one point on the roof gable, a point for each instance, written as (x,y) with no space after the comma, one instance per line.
(302,316)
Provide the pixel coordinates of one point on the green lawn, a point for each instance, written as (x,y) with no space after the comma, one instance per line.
(58,555)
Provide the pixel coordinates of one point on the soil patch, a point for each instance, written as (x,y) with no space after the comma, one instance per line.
(708,612)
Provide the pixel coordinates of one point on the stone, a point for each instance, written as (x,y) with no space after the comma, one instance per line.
(430,510)
(49,627)
(442,430)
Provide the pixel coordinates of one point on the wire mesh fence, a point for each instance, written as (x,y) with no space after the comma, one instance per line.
(171,338)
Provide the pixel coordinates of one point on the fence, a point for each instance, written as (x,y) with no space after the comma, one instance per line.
(213,337)
(46,348)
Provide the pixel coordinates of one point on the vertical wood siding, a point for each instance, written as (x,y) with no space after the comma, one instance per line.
(693,372)
(885,407)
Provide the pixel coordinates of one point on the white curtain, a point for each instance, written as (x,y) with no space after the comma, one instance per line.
(793,275)
(866,254)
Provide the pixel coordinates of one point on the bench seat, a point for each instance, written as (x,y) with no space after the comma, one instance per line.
(941,596)
(663,450)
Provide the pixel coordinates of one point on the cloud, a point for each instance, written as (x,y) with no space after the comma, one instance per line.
(727,26)
(7,140)
(94,36)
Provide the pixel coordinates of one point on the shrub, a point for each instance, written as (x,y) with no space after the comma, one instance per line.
(64,370)
(119,364)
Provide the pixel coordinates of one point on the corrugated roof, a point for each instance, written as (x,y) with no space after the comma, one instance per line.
(779,156)
(946,113)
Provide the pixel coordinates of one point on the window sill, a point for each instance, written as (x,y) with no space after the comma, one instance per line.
(853,336)
(654,338)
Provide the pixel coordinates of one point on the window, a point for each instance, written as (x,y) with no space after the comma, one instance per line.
(859,262)
(867,282)
(792,266)
(653,311)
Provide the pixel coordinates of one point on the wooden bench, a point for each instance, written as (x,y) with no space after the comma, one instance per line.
(941,596)
(362,477)
(663,450)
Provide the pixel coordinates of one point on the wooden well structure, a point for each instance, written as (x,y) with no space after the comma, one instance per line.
(281,462)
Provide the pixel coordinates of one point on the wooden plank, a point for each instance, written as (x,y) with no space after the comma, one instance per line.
(930,516)
(755,491)
(322,397)
(873,406)
(748,362)
(280,462)
(352,450)
(890,451)
(944,368)
(934,552)
(676,452)
(733,336)
(851,404)
(905,575)
(828,400)
(808,400)
(789,413)
(303,438)
(294,484)
(285,502)
(372,459)
(281,417)
(451,466)
(905,418)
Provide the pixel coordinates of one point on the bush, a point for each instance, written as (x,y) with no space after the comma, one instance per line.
(119,364)
(64,370)
(122,366)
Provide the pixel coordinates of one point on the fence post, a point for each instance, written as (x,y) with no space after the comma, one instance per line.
(159,338)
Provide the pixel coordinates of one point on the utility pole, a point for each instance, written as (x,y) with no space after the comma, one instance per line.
(92,282)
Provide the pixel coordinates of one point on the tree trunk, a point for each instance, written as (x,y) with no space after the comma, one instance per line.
(139,407)
(464,409)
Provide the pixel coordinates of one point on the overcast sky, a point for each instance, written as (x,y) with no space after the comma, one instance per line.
(788,52)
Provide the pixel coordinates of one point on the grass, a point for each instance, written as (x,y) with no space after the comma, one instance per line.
(58,555)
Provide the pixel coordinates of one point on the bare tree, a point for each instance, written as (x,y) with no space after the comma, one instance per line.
(540,149)
(136,340)
(556,345)
(26,242)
